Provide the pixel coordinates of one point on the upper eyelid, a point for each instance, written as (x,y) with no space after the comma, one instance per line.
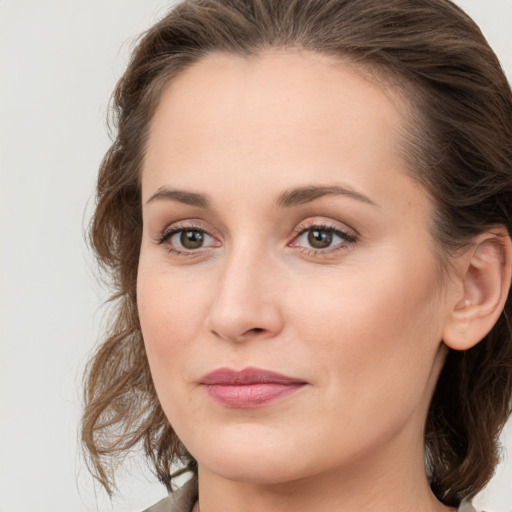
(319,225)
(342,233)
(327,224)
(301,227)
(183,225)
(168,234)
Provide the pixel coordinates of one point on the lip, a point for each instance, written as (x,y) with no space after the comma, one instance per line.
(248,388)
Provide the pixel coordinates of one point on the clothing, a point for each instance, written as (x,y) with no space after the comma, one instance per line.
(184,498)
(181,500)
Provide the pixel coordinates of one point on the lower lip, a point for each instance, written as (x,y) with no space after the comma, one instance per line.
(248,396)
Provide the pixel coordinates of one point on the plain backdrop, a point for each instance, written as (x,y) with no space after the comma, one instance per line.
(59,61)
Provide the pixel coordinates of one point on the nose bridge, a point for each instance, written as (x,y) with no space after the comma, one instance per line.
(245,303)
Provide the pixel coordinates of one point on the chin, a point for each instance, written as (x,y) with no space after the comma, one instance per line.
(251,459)
(255,469)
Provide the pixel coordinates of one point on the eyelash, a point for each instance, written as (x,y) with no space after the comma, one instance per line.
(348,239)
(169,233)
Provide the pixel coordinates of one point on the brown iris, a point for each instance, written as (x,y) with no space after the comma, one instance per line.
(191,239)
(319,238)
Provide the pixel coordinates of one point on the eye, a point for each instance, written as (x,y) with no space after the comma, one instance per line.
(321,239)
(187,240)
(190,239)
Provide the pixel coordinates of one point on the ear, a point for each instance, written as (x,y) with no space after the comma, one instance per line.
(482,289)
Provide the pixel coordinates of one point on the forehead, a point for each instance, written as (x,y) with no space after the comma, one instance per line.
(272,116)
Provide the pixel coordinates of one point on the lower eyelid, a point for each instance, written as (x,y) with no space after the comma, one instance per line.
(327,253)
(346,239)
(175,248)
(345,242)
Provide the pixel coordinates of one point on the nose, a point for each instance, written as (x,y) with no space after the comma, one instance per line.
(246,304)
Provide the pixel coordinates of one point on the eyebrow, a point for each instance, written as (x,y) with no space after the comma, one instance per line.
(302,195)
(287,199)
(181,196)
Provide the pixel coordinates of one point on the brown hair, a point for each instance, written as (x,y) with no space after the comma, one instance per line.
(460,150)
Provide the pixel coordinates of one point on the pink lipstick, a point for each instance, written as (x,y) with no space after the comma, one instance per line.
(248,388)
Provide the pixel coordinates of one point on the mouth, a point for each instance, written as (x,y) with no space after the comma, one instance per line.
(248,388)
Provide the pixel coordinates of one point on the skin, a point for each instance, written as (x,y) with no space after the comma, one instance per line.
(360,321)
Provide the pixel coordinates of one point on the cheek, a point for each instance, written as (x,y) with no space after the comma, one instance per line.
(375,335)
(170,317)
(365,335)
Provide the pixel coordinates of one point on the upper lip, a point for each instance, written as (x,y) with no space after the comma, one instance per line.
(230,377)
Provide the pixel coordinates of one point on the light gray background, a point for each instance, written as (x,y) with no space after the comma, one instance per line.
(59,60)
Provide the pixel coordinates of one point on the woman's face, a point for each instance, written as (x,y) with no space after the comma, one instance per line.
(283,236)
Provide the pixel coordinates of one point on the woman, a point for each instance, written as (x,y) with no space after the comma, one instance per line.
(307,213)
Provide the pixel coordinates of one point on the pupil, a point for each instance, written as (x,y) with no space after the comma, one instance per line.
(319,239)
(191,239)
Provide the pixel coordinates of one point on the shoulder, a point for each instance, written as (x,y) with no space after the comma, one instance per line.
(466,506)
(181,500)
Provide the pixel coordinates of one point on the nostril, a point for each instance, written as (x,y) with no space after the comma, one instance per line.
(256,330)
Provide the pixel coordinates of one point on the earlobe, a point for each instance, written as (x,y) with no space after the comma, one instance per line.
(485,283)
